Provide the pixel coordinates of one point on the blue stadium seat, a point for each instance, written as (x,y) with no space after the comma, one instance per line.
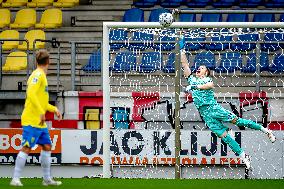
(198,3)
(151,62)
(170,65)
(274,3)
(124,62)
(281,18)
(187,17)
(120,116)
(211,18)
(133,15)
(171,3)
(264,18)
(155,13)
(272,37)
(219,46)
(224,3)
(251,63)
(277,64)
(250,3)
(193,46)
(94,64)
(117,35)
(230,62)
(204,58)
(237,18)
(165,44)
(144,37)
(145,3)
(245,46)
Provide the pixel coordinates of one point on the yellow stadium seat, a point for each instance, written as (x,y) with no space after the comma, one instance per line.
(40,3)
(4,18)
(51,18)
(92,118)
(25,18)
(14,3)
(15,61)
(9,34)
(66,3)
(31,36)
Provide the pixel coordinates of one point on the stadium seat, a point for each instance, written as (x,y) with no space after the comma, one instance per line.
(4,18)
(144,37)
(281,18)
(277,64)
(230,62)
(14,3)
(94,64)
(245,46)
(193,46)
(198,3)
(155,13)
(15,61)
(250,3)
(10,34)
(187,17)
(264,18)
(151,62)
(145,3)
(272,37)
(40,3)
(117,35)
(237,18)
(65,3)
(170,65)
(251,63)
(171,3)
(133,15)
(92,118)
(51,18)
(224,3)
(211,18)
(219,46)
(25,18)
(274,3)
(124,62)
(120,116)
(31,36)
(167,42)
(204,58)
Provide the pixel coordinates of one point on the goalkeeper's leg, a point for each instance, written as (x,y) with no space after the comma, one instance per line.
(240,122)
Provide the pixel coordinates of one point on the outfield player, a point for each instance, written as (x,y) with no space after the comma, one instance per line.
(214,115)
(33,121)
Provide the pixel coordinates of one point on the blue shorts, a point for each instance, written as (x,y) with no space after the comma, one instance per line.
(33,136)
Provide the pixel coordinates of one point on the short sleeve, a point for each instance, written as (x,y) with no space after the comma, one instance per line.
(208,80)
(190,79)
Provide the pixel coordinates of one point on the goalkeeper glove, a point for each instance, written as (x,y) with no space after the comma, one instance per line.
(190,88)
(182,42)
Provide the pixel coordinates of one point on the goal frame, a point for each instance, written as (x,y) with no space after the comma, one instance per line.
(152,25)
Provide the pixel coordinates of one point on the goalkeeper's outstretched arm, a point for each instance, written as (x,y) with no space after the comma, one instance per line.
(185,65)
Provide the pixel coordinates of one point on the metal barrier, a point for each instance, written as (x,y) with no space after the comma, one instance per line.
(85,76)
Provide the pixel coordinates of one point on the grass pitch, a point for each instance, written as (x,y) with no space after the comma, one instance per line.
(151,184)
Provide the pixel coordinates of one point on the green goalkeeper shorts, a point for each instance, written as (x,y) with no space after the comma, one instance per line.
(214,116)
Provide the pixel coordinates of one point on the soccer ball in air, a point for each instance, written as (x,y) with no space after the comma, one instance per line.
(166,19)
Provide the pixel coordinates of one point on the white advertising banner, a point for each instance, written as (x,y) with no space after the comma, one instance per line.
(139,147)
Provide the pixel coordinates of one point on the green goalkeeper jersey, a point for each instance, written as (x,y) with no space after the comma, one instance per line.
(201,97)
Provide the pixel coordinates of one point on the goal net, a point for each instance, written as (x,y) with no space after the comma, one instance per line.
(150,122)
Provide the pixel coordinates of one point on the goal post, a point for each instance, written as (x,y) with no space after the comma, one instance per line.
(153,25)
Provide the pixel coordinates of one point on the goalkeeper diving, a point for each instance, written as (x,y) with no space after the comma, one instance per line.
(201,86)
